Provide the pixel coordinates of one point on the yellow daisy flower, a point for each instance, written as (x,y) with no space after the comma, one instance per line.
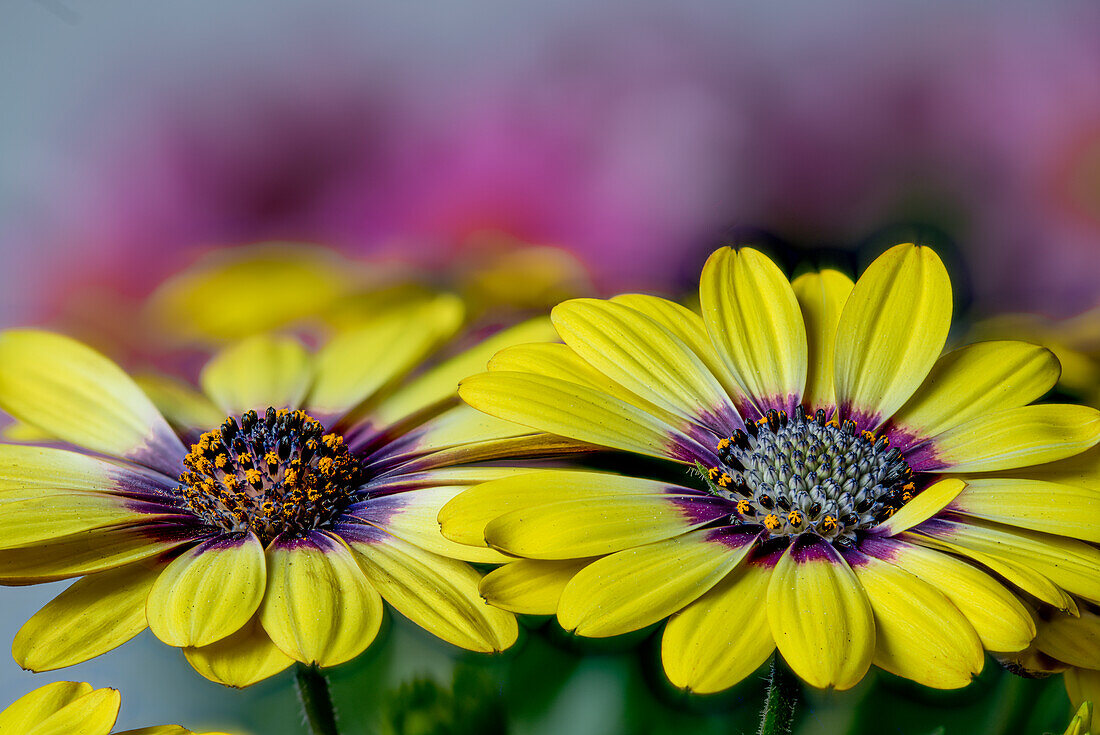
(232,293)
(841,496)
(1075,341)
(71,707)
(309,494)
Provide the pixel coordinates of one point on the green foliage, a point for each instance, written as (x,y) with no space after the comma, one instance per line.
(473,705)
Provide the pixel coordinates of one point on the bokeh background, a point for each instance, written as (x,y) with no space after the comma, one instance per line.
(136,136)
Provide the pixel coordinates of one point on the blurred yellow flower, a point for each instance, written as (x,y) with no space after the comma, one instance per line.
(236,292)
(232,293)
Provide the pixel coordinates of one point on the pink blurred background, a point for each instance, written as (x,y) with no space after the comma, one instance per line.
(637,140)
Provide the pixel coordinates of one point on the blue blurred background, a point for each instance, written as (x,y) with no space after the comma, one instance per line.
(639,136)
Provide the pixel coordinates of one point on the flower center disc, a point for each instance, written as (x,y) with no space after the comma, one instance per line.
(272,475)
(808,475)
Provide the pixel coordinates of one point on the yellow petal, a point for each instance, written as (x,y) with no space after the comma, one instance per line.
(1015,571)
(638,587)
(1072,565)
(76,394)
(891,331)
(555,360)
(754,319)
(234,292)
(87,552)
(646,359)
(928,503)
(357,363)
(392,288)
(208,592)
(527,445)
(464,518)
(459,434)
(412,516)
(244,658)
(92,714)
(919,633)
(690,328)
(185,408)
(261,371)
(94,615)
(718,640)
(319,608)
(820,616)
(558,361)
(30,472)
(160,730)
(440,382)
(1064,510)
(575,411)
(1015,437)
(822,297)
(30,709)
(37,520)
(437,593)
(529,586)
(501,274)
(445,476)
(1074,641)
(1081,470)
(999,618)
(576,528)
(1083,685)
(1081,723)
(974,381)
(17,431)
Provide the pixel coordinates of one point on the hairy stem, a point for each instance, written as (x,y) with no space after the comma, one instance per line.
(783,692)
(313,693)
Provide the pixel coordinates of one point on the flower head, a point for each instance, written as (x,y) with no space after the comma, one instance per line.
(309,494)
(69,706)
(848,495)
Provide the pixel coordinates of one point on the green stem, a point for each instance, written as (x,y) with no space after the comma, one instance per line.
(782,699)
(316,701)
